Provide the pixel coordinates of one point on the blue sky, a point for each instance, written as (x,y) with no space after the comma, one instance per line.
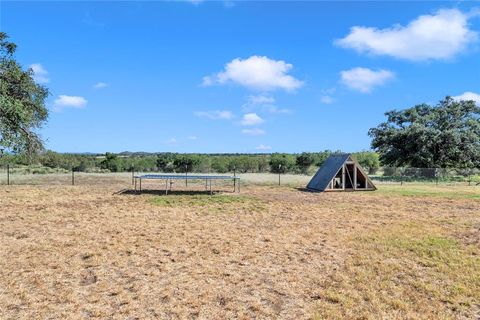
(239,76)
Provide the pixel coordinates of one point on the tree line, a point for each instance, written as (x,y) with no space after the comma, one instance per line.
(302,163)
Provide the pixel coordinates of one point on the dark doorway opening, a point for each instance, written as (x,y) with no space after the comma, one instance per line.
(349,170)
(361,180)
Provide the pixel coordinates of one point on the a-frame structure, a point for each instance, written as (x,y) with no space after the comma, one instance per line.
(341,173)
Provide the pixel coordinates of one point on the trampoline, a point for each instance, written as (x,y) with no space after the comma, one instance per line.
(170,177)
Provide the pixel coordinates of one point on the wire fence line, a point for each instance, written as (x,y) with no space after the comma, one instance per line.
(435,175)
(38,175)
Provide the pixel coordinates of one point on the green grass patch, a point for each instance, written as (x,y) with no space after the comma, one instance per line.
(213,203)
(431,191)
(406,271)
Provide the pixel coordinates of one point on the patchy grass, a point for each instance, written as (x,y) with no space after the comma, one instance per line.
(219,203)
(200,200)
(429,190)
(406,271)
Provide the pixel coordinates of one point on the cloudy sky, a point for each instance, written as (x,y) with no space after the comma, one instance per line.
(239,76)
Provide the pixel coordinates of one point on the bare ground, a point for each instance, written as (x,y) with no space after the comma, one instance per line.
(271,252)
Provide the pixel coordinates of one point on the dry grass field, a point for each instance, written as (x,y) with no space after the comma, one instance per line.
(100,251)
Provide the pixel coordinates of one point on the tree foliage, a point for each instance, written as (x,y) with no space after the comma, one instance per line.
(174,162)
(304,161)
(443,136)
(282,162)
(185,163)
(22,103)
(368,160)
(111,162)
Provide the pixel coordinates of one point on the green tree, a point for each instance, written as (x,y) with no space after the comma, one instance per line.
(304,161)
(282,162)
(111,162)
(262,164)
(220,164)
(368,160)
(22,103)
(446,135)
(185,162)
(165,161)
(320,157)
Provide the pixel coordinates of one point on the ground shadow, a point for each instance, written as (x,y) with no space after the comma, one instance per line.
(302,189)
(170,192)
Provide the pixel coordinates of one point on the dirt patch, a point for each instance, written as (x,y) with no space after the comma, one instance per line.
(271,252)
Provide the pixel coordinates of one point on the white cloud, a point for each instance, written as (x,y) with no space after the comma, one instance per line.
(258,73)
(260,99)
(438,36)
(329,91)
(327,99)
(253,132)
(263,102)
(275,109)
(364,79)
(64,101)
(100,85)
(251,119)
(171,141)
(192,137)
(40,74)
(263,147)
(215,114)
(467,96)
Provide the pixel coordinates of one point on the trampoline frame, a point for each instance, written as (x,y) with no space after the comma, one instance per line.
(170,177)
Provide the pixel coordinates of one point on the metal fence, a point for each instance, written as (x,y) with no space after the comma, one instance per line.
(469,176)
(38,175)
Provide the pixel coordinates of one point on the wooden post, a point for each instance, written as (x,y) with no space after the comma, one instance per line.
(8,174)
(354,176)
(133,175)
(73,177)
(186,170)
(343,176)
(279,171)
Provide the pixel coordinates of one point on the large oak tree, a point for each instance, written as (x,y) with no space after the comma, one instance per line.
(22,103)
(443,136)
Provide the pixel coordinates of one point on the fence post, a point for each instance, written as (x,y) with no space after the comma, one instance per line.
(401,176)
(73,176)
(279,172)
(186,171)
(133,174)
(8,174)
(234,179)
